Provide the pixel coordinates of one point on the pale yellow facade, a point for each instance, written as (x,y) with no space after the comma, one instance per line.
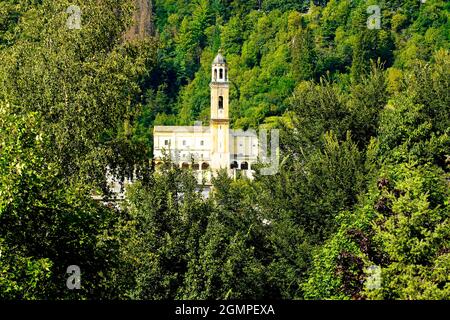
(203,149)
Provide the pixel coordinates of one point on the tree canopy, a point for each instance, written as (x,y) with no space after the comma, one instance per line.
(364,174)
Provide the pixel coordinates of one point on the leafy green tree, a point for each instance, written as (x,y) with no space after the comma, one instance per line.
(49,225)
(415,125)
(367,99)
(371,46)
(84,83)
(315,186)
(229,262)
(21,277)
(303,55)
(167,218)
(401,226)
(317,108)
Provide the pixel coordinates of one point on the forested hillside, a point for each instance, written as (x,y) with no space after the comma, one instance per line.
(364,178)
(271,48)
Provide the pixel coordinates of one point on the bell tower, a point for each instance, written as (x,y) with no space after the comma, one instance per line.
(220,123)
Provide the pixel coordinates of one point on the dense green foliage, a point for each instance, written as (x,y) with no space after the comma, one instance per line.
(270,51)
(364,175)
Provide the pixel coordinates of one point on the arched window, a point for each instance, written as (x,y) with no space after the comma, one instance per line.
(196,166)
(205,166)
(226,75)
(185,166)
(215,74)
(234,165)
(244,165)
(220,102)
(221,74)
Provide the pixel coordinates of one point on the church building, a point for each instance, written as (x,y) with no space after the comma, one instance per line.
(207,149)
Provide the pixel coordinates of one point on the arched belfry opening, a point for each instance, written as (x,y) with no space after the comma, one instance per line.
(220,69)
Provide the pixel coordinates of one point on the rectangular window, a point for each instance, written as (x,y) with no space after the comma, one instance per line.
(202,143)
(184,142)
(166,142)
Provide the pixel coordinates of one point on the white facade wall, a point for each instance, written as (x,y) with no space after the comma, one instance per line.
(205,150)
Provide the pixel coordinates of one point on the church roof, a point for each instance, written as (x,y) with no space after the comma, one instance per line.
(181,129)
(219,59)
(242,133)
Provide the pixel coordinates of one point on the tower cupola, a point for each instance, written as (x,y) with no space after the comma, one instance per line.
(219,69)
